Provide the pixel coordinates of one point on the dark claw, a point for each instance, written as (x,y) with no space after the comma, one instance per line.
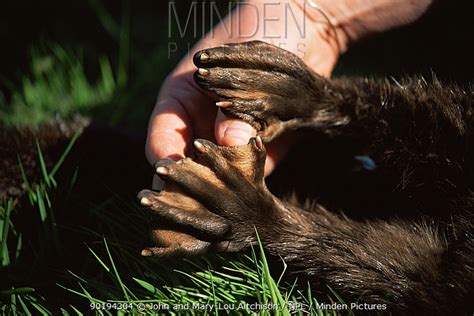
(203,72)
(200,57)
(258,143)
(224,104)
(199,147)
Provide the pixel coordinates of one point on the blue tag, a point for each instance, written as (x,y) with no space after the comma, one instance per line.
(366,162)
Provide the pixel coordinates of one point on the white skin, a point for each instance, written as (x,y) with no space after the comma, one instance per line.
(184,112)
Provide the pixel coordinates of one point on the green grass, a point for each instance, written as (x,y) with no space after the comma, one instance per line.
(233,285)
(57,86)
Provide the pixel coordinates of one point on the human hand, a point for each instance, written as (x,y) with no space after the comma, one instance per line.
(184,112)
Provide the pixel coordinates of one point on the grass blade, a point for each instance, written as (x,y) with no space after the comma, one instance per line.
(43,168)
(5,223)
(64,154)
(117,275)
(98,259)
(41,205)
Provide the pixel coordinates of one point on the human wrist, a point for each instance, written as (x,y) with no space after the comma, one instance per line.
(324,44)
(358,19)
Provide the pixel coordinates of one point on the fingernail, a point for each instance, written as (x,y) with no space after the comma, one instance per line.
(238,133)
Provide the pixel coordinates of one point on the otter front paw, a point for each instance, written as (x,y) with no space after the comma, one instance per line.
(264,85)
(214,202)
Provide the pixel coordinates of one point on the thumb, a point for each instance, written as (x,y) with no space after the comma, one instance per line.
(232,132)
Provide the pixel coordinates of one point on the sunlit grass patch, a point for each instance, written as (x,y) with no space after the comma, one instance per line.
(57,86)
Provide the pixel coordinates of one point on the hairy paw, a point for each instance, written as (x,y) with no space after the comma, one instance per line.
(262,84)
(212,202)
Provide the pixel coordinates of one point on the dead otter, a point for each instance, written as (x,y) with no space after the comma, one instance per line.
(418,133)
